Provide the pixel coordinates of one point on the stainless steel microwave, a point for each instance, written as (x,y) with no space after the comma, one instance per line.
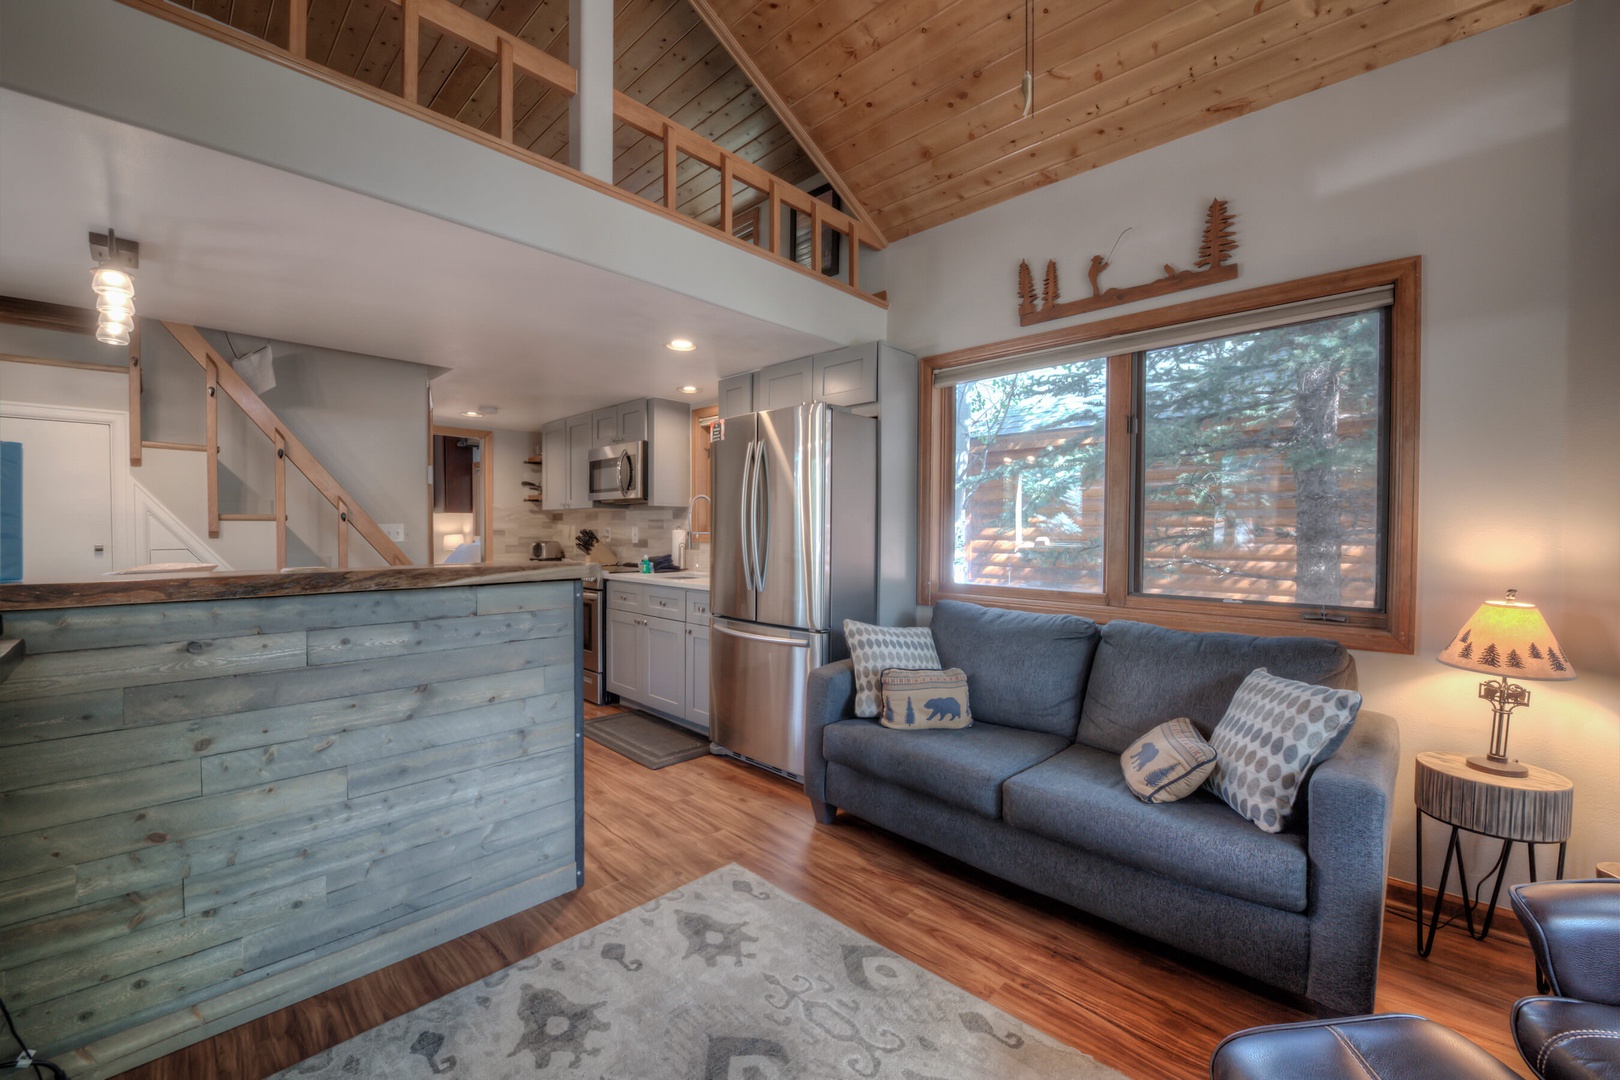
(619,472)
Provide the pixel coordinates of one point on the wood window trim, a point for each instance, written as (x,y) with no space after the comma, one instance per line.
(1393,630)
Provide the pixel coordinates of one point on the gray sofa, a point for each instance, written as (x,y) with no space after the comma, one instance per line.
(1033,792)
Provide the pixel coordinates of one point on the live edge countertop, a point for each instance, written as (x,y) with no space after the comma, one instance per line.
(232,585)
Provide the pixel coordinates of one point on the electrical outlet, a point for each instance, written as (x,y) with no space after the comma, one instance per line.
(396,533)
(635,534)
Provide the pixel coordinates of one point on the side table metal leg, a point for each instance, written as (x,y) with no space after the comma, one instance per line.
(1501,872)
(1462,880)
(1425,947)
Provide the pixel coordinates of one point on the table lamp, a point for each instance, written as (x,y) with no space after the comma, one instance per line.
(1506,638)
(453,541)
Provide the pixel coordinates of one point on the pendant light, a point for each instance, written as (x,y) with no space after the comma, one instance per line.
(113,285)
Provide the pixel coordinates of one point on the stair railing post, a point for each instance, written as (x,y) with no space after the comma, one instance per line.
(135,394)
(211,447)
(281,500)
(343,535)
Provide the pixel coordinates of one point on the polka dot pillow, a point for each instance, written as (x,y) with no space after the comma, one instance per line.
(874,649)
(1272,733)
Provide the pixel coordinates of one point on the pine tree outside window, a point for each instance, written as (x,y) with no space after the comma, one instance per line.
(1243,462)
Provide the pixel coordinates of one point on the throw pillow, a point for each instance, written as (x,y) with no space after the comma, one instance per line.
(1271,735)
(913,700)
(1168,763)
(873,649)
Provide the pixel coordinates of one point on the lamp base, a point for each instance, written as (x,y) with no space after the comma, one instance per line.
(1500,768)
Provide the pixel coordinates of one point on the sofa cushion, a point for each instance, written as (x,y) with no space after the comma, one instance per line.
(1169,763)
(1272,734)
(1143,674)
(964,768)
(875,649)
(1078,797)
(918,700)
(1024,670)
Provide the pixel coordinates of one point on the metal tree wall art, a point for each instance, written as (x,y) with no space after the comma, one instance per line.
(1218,243)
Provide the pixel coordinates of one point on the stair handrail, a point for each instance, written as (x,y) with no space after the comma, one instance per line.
(289,449)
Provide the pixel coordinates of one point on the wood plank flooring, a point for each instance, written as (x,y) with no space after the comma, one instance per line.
(1129,1003)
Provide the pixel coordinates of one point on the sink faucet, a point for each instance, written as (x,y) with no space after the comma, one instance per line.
(690,506)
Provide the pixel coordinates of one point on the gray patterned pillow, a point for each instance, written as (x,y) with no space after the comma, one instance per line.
(1272,733)
(873,648)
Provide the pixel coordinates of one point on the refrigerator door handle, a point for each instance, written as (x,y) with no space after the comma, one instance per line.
(762,529)
(745,535)
(792,643)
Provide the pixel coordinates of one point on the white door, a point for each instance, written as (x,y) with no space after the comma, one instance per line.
(67,497)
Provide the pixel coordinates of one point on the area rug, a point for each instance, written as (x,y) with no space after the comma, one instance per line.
(723,979)
(646,740)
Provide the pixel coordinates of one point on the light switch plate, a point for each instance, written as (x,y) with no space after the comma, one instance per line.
(396,533)
(635,534)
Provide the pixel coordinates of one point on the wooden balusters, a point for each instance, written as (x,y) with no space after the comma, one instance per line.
(503,58)
(280,442)
(343,534)
(298,28)
(135,394)
(410,53)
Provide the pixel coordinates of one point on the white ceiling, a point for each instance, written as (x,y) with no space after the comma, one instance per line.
(237,245)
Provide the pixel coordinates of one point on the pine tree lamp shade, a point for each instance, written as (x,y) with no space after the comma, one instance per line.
(1506,638)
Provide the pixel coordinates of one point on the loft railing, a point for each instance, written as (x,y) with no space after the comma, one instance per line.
(513,56)
(221,377)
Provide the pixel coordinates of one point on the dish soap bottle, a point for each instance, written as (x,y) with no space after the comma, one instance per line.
(646,564)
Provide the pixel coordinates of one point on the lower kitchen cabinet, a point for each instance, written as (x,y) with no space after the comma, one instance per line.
(666,665)
(659,663)
(697,675)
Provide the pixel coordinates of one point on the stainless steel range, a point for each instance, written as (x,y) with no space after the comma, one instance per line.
(594,632)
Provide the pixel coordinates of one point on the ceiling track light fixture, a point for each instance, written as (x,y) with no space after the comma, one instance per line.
(113,285)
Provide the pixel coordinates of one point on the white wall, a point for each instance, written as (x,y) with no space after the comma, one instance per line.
(1497,159)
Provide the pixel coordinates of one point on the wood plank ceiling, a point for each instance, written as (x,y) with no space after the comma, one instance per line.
(666,58)
(915,104)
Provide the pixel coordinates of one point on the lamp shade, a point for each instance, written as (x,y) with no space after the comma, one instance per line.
(453,541)
(1507,637)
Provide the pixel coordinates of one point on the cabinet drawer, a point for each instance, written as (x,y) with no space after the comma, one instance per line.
(626,597)
(667,602)
(697,607)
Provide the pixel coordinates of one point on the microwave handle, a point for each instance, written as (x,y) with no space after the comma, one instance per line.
(627,473)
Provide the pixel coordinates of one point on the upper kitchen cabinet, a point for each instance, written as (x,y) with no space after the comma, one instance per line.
(565,447)
(625,422)
(848,377)
(782,385)
(667,427)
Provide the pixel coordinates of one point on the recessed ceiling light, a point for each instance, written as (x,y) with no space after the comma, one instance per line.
(681,345)
(689,389)
(481,410)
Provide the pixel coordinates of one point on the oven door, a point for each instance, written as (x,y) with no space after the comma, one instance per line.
(592,626)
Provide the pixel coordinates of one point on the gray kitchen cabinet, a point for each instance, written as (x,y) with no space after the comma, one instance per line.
(632,417)
(604,427)
(697,674)
(666,665)
(737,394)
(782,384)
(626,664)
(847,376)
(579,463)
(554,466)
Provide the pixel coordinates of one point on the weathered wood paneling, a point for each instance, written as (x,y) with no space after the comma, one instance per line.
(215,806)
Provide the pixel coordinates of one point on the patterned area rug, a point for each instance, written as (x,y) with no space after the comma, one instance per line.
(723,979)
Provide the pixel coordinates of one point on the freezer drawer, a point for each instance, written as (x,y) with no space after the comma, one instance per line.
(756,690)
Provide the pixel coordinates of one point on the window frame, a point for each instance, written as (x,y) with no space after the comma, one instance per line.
(1391,630)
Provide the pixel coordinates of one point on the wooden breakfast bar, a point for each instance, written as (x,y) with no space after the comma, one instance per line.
(223,793)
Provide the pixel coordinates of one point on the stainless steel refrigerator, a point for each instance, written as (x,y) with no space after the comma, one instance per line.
(795,554)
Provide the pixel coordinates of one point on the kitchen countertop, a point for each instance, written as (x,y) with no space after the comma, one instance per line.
(686,579)
(218,585)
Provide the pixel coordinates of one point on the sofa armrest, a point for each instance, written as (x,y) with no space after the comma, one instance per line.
(829,697)
(1349,816)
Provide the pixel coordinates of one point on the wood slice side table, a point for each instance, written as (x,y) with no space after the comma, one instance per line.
(1533,809)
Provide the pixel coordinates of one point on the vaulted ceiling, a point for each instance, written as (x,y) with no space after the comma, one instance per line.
(916,106)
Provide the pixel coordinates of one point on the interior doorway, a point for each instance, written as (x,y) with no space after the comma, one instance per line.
(463,494)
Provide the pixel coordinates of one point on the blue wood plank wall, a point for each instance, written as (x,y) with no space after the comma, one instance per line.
(211,809)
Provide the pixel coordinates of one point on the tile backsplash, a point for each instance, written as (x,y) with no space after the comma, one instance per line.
(518,527)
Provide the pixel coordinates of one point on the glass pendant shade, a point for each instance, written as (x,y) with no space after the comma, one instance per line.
(109,281)
(117,334)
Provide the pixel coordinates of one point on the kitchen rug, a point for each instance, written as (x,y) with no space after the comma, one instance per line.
(646,740)
(725,977)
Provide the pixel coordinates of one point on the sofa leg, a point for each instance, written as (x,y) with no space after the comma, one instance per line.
(823,812)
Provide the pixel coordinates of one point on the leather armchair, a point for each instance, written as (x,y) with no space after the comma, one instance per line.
(1574,929)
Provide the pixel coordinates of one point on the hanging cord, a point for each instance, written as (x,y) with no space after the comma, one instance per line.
(1029,57)
(26,1059)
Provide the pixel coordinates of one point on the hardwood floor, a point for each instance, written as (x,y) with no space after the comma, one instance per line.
(1129,1003)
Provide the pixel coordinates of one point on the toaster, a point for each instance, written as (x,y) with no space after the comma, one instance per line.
(546,550)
